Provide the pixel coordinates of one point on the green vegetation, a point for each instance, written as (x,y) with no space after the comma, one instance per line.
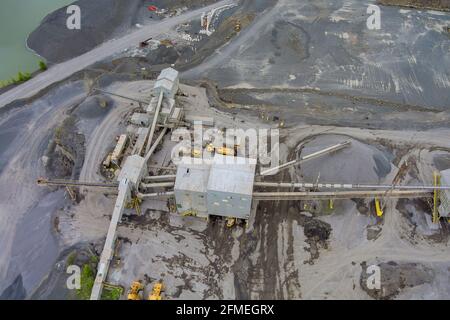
(71,258)
(103,103)
(111,293)
(21,77)
(94,259)
(42,65)
(87,282)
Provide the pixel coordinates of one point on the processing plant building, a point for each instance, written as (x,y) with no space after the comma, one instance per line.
(221,187)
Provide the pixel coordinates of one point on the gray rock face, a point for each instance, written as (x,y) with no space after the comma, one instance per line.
(100,21)
(15,291)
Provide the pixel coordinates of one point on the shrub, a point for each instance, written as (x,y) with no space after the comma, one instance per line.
(87,282)
(42,65)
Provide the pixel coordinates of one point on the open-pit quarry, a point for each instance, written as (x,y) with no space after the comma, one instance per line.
(116,165)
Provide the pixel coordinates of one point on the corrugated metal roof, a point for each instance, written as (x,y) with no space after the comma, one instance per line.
(445,177)
(164,83)
(232,174)
(166,108)
(132,169)
(169,74)
(192,176)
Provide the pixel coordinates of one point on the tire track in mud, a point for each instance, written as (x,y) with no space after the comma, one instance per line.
(272,275)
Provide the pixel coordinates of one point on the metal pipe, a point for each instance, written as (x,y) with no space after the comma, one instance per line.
(163,168)
(120,96)
(155,120)
(160,178)
(339,195)
(76,183)
(157,185)
(319,153)
(346,186)
(155,194)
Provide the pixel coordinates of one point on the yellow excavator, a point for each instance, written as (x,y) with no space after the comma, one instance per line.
(135,292)
(231,222)
(156,292)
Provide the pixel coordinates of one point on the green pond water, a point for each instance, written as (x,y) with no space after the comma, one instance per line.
(18,18)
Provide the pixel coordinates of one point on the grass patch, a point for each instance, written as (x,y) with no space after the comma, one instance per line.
(20,78)
(87,282)
(94,259)
(71,258)
(88,274)
(111,293)
(42,65)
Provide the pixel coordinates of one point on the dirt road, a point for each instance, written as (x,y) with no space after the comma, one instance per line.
(65,69)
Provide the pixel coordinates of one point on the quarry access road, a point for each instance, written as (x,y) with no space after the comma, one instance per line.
(63,70)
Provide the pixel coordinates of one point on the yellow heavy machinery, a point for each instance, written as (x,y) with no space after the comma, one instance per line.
(437,182)
(189,213)
(156,292)
(222,150)
(378,208)
(135,292)
(135,203)
(231,222)
(331,204)
(196,153)
(237,26)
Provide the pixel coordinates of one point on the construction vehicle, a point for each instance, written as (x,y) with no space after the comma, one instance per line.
(107,162)
(231,222)
(331,204)
(156,291)
(237,26)
(189,213)
(135,292)
(226,151)
(135,203)
(196,153)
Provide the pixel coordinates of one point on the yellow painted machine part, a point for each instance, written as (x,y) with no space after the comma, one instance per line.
(225,151)
(189,213)
(231,222)
(378,208)
(134,203)
(133,293)
(437,182)
(331,204)
(196,153)
(156,292)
